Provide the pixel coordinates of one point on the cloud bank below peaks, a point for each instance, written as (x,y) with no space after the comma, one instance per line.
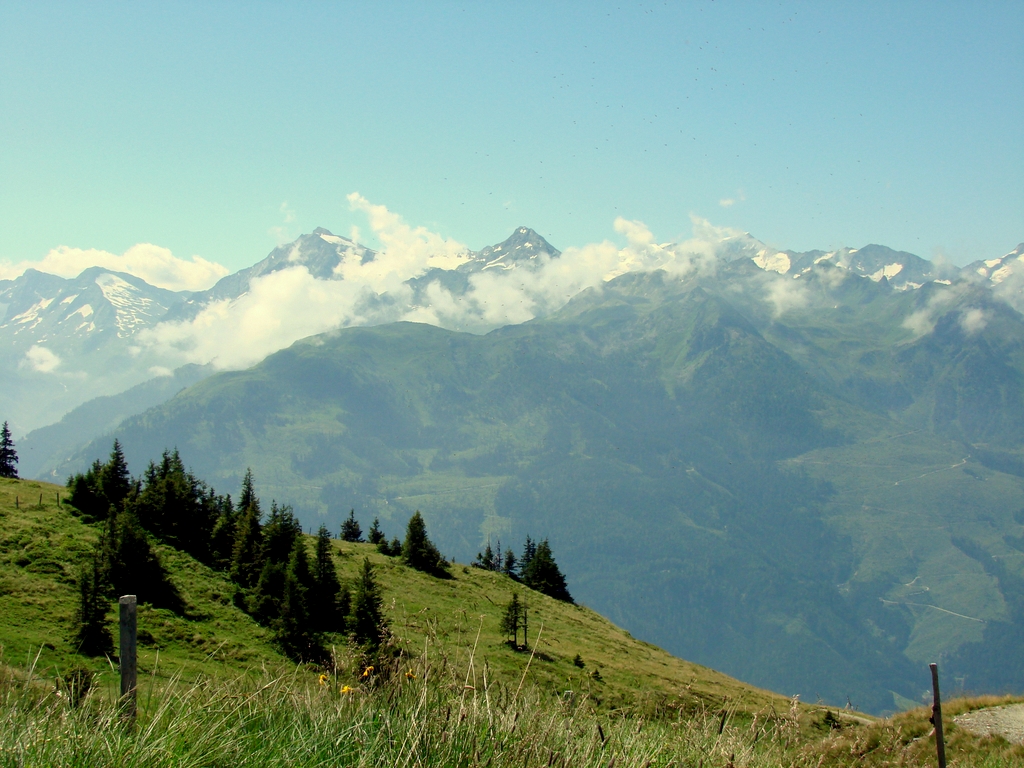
(156,265)
(418,276)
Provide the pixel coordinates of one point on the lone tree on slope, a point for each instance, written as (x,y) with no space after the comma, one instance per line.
(8,456)
(419,552)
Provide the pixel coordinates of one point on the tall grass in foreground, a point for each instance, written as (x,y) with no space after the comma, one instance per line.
(403,722)
(417,717)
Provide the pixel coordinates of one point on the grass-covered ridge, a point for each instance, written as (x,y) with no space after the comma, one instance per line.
(42,546)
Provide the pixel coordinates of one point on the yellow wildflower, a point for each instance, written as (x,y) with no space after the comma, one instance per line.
(346,689)
(324,679)
(410,675)
(368,671)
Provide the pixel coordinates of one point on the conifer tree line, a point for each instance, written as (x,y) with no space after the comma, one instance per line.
(284,587)
(536,567)
(299,598)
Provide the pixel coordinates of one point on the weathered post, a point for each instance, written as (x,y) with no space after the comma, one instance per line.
(40,500)
(940,745)
(127,653)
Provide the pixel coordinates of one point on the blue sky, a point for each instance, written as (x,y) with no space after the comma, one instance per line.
(218,129)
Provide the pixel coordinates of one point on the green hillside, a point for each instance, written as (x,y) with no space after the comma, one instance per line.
(42,545)
(749,483)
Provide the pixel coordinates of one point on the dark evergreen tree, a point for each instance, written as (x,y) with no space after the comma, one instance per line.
(177,507)
(418,551)
(325,608)
(350,530)
(84,493)
(390,549)
(542,574)
(294,629)
(264,602)
(92,636)
(367,623)
(529,550)
(512,620)
(485,559)
(115,480)
(222,543)
(248,497)
(279,536)
(8,456)
(376,535)
(280,533)
(103,487)
(508,567)
(133,566)
(247,555)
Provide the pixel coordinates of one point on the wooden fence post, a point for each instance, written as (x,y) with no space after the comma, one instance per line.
(940,744)
(127,653)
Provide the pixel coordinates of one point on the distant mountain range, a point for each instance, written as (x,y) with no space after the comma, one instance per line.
(66,341)
(804,469)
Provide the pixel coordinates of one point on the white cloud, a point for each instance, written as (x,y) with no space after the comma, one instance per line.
(785,294)
(40,359)
(973,320)
(278,309)
(922,321)
(290,304)
(408,251)
(156,265)
(728,202)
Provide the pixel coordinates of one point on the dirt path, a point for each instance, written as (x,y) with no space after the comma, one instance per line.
(1007,722)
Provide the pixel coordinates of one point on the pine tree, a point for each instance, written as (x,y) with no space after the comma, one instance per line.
(376,535)
(350,530)
(177,507)
(84,493)
(247,555)
(280,533)
(133,566)
(390,549)
(295,632)
(529,550)
(542,574)
(93,636)
(418,551)
(367,623)
(324,602)
(248,496)
(485,559)
(222,542)
(115,481)
(103,487)
(509,566)
(8,456)
(512,619)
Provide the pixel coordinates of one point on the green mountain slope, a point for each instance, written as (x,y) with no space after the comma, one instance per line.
(41,546)
(716,461)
